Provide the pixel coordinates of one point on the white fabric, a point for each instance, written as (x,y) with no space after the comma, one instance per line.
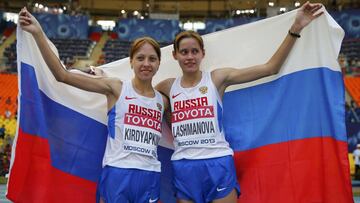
(197,131)
(136,123)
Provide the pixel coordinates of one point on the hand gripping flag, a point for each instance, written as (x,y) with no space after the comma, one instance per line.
(287,130)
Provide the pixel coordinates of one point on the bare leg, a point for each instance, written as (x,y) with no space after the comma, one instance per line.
(230,198)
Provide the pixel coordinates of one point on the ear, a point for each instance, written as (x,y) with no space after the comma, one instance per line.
(203,53)
(174,55)
(131,64)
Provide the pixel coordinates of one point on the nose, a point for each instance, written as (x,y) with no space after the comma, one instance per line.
(190,55)
(146,62)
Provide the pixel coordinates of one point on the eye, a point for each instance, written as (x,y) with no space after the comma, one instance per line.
(140,58)
(195,51)
(183,52)
(153,58)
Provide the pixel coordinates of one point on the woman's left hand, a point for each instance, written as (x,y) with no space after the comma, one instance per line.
(305,15)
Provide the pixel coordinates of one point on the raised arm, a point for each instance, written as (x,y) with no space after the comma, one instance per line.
(103,85)
(164,86)
(225,77)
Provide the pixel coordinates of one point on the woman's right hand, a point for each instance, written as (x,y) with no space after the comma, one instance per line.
(28,22)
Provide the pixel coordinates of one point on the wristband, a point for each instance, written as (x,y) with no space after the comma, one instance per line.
(293,34)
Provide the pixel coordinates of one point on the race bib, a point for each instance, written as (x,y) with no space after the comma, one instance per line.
(141,134)
(194,126)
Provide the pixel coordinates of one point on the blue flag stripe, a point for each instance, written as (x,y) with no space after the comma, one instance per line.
(73,137)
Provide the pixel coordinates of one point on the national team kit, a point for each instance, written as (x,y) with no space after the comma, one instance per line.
(202,160)
(130,158)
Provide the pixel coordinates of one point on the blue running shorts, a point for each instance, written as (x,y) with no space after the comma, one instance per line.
(120,185)
(205,180)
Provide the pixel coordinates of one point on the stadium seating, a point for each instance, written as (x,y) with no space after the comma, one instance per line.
(349,58)
(71,48)
(116,49)
(351,48)
(68,50)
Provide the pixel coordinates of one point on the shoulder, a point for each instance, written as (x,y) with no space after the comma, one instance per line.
(219,75)
(165,86)
(221,72)
(114,81)
(167,82)
(115,84)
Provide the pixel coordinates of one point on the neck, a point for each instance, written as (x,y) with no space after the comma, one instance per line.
(191,79)
(143,88)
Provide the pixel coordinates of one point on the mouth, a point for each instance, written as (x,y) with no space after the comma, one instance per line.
(190,65)
(145,70)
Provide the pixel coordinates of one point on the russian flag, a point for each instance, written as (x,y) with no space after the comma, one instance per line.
(287,131)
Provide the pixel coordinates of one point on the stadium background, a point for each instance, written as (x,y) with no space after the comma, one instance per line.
(89,32)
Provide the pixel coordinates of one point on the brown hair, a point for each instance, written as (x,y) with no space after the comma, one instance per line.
(187,34)
(135,46)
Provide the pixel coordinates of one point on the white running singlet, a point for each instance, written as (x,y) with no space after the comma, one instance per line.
(134,126)
(196,121)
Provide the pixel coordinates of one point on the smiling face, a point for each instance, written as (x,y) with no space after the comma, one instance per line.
(145,60)
(189,51)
